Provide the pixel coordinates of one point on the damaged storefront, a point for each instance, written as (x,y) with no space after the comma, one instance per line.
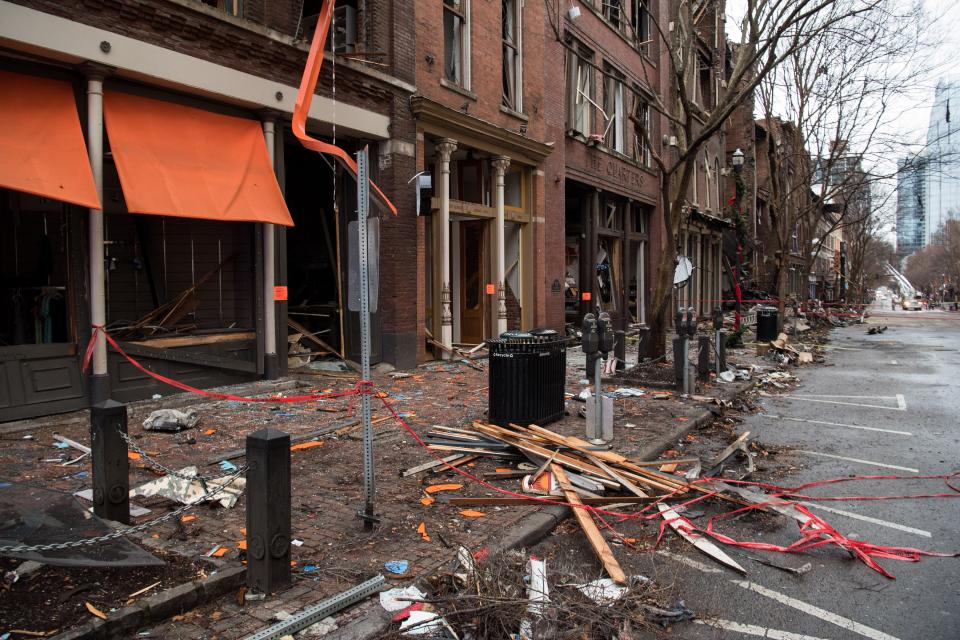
(479,230)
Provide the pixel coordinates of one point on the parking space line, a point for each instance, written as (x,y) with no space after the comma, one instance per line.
(754,630)
(901,402)
(817,612)
(838,424)
(858,460)
(782,598)
(877,521)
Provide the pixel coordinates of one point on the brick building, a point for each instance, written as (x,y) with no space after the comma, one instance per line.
(178,80)
(486,244)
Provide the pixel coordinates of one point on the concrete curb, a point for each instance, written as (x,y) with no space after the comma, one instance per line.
(123,622)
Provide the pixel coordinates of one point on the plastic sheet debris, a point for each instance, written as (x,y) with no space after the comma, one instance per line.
(400,598)
(171,420)
(226,465)
(602,591)
(627,392)
(667,617)
(727,376)
(422,623)
(398,567)
(184,491)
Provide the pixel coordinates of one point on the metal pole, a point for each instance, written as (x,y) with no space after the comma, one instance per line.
(716,341)
(99,381)
(271,365)
(597,399)
(500,164)
(685,353)
(363,204)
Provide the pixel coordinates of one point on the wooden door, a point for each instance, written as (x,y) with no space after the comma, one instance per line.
(472,298)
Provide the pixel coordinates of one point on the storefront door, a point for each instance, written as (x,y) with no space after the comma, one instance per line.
(472,296)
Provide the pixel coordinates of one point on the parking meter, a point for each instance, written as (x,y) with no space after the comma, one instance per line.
(605,333)
(590,341)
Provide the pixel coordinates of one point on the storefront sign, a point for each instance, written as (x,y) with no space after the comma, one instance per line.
(615,171)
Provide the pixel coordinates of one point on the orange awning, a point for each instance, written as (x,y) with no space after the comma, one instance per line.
(41,143)
(190,163)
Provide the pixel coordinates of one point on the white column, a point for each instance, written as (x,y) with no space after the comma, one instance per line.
(444,148)
(719,278)
(500,164)
(271,365)
(99,390)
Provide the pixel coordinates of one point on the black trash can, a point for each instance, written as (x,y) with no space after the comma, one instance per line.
(527,376)
(767,324)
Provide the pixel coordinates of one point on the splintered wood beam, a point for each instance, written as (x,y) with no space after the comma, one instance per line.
(589,527)
(730,450)
(520,502)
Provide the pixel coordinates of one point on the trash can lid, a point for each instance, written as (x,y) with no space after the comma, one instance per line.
(515,335)
(543,332)
(767,310)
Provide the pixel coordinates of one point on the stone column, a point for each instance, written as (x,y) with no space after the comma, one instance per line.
(271,362)
(99,388)
(500,164)
(444,148)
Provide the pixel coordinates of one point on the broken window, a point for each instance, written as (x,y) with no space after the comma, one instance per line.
(233,7)
(579,90)
(613,11)
(640,20)
(615,132)
(454,34)
(705,83)
(512,64)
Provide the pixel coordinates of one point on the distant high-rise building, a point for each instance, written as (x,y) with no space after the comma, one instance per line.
(943,159)
(911,209)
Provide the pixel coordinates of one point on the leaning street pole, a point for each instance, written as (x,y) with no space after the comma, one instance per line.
(363,207)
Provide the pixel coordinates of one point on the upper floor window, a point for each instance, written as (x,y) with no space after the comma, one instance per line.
(233,7)
(643,133)
(456,42)
(512,55)
(579,90)
(615,133)
(705,83)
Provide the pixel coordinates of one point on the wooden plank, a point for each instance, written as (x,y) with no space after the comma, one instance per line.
(589,527)
(73,443)
(681,526)
(299,328)
(521,502)
(729,451)
(429,465)
(190,341)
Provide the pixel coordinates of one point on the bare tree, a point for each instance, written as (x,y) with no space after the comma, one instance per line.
(835,95)
(770,32)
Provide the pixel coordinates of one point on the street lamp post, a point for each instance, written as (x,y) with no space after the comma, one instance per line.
(737,161)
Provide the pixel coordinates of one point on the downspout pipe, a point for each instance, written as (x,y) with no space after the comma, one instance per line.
(99,382)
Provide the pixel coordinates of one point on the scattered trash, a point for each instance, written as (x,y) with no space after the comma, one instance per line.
(296,543)
(435,488)
(398,567)
(171,420)
(422,623)
(226,465)
(422,530)
(322,628)
(92,609)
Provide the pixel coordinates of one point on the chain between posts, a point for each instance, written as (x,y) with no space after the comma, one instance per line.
(143,526)
(159,465)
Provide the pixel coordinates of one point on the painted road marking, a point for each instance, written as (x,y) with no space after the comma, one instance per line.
(877,521)
(838,424)
(901,401)
(690,562)
(754,630)
(893,362)
(870,462)
(817,612)
(799,605)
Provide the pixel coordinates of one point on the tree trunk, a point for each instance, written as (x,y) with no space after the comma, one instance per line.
(782,273)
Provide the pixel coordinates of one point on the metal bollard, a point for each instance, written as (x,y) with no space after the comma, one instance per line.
(620,349)
(704,347)
(268,510)
(678,363)
(111,467)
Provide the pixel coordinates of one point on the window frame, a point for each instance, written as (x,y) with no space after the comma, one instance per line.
(642,152)
(615,125)
(517,47)
(580,72)
(459,9)
(640,20)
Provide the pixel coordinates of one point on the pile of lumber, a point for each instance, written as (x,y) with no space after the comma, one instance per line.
(575,472)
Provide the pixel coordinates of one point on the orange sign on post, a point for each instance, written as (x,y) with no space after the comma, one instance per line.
(491,289)
(280,293)
(585,296)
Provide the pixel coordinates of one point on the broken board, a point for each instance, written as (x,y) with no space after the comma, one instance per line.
(682,526)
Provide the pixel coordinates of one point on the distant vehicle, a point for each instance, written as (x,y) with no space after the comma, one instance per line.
(911,304)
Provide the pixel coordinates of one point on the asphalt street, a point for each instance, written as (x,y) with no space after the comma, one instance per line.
(887,406)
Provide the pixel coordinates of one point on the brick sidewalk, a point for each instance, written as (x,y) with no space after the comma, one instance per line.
(328,484)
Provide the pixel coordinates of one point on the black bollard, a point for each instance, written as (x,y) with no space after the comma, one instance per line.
(268,510)
(111,467)
(704,349)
